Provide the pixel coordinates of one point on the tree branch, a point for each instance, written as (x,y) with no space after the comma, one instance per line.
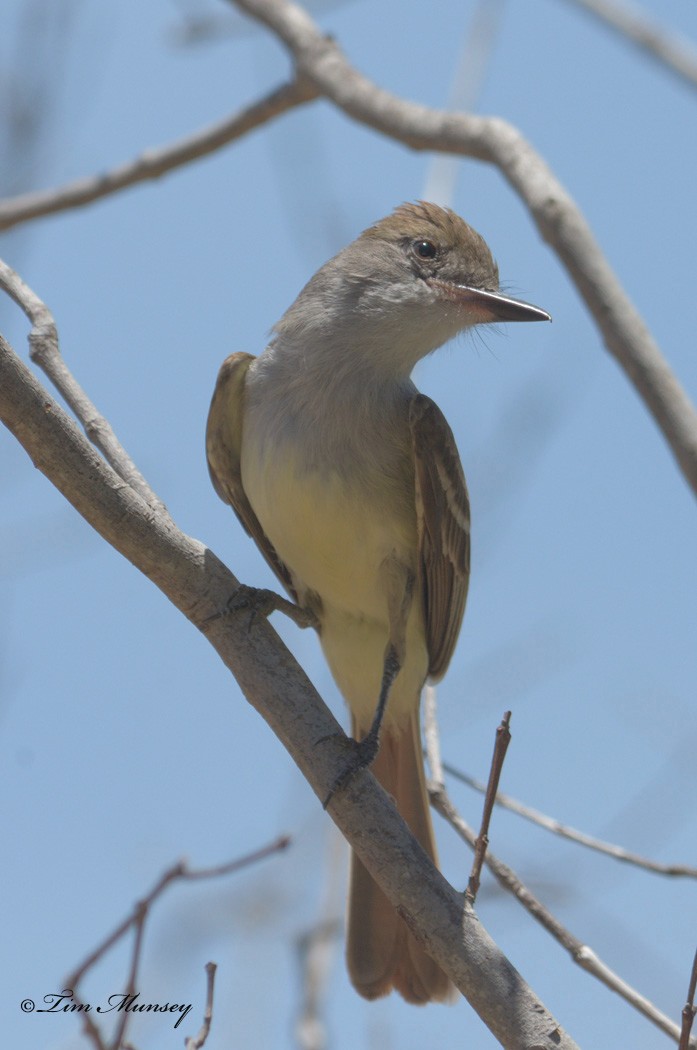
(198,1041)
(668,49)
(688,1013)
(45,352)
(564,831)
(136,922)
(177,872)
(481,845)
(581,953)
(558,220)
(154,163)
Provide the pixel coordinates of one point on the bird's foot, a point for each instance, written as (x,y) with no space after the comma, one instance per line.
(362,755)
(365,750)
(262,602)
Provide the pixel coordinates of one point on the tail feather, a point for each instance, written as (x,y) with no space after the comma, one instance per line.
(381,952)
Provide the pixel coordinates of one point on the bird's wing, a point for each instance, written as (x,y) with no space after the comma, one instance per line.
(224,452)
(443,521)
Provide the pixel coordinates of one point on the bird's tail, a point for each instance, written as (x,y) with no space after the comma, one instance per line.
(380,951)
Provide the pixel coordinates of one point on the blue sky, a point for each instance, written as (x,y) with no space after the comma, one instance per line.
(125,744)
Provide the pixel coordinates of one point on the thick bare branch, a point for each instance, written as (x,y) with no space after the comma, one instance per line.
(154,163)
(558,219)
(199,585)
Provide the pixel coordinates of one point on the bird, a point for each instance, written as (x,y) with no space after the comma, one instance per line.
(349,481)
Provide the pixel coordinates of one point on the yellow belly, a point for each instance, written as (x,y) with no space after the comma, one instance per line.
(331,535)
(334,537)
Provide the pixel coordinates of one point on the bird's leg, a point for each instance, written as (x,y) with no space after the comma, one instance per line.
(368,747)
(263,602)
(399,585)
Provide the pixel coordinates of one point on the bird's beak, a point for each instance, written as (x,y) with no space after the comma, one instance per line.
(489,306)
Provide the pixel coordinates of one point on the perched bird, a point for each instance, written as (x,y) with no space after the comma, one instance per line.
(350,483)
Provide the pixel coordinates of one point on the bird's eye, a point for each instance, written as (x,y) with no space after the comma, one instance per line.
(425,249)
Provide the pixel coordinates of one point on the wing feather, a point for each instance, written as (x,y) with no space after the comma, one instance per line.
(443,520)
(224,452)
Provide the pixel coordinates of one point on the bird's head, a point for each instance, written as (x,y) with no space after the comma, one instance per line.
(405,286)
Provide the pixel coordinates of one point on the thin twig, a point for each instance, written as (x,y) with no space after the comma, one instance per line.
(431,735)
(196,1042)
(315,949)
(503,739)
(158,161)
(472,65)
(132,982)
(176,872)
(45,352)
(563,830)
(688,1013)
(581,954)
(136,921)
(671,51)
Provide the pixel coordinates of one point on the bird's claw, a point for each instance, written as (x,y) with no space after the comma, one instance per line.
(362,755)
(262,602)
